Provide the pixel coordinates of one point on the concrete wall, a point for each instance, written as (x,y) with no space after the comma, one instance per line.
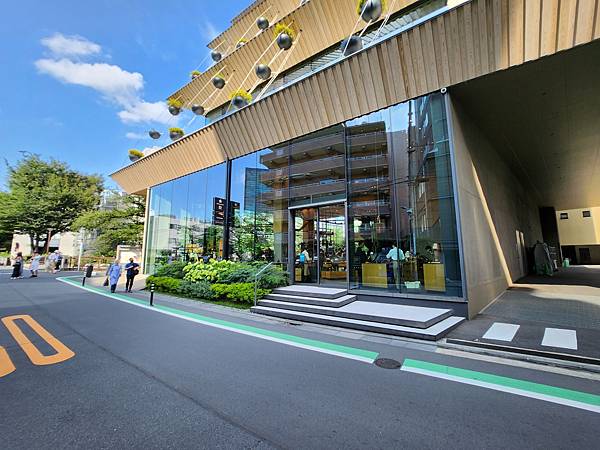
(494,206)
(579,230)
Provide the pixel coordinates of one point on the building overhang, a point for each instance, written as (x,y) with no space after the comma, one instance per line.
(454,45)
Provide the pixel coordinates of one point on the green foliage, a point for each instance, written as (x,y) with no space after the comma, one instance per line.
(173,270)
(195,73)
(211,271)
(241,93)
(164,284)
(273,277)
(242,41)
(174,102)
(175,130)
(201,290)
(282,28)
(122,225)
(238,292)
(134,152)
(45,196)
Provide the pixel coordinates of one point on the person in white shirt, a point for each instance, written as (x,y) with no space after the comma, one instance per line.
(397,257)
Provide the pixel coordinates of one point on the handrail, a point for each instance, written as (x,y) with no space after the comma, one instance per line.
(256,278)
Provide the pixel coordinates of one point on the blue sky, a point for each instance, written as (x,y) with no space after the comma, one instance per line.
(81,81)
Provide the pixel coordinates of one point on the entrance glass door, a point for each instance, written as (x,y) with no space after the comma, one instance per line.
(320,245)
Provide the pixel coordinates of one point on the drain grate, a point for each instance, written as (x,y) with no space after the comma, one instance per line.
(387,363)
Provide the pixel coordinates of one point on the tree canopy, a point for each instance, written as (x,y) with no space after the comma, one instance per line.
(45,197)
(121,225)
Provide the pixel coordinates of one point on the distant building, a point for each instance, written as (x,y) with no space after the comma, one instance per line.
(579,231)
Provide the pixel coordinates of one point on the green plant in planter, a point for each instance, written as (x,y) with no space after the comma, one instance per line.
(175,133)
(199,290)
(238,292)
(372,11)
(241,42)
(282,28)
(173,270)
(175,103)
(210,271)
(175,130)
(164,284)
(240,98)
(134,154)
(195,74)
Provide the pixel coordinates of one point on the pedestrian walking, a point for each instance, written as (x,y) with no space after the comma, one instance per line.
(17,267)
(34,265)
(132,269)
(114,273)
(58,261)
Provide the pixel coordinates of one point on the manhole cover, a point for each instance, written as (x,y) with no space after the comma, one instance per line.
(386,363)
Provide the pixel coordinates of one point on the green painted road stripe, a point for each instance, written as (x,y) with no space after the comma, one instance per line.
(577,399)
(288,339)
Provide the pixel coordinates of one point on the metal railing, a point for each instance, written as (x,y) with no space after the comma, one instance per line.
(257,277)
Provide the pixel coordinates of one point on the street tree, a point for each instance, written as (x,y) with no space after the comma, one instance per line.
(121,224)
(45,197)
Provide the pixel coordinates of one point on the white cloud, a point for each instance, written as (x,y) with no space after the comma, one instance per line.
(209,31)
(61,45)
(111,81)
(147,112)
(149,150)
(134,136)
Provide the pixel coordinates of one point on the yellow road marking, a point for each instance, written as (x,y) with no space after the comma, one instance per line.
(6,364)
(35,356)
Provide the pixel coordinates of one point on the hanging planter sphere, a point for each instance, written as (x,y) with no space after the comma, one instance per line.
(371,10)
(175,134)
(239,101)
(353,43)
(263,71)
(174,110)
(284,41)
(198,110)
(262,23)
(154,134)
(240,44)
(218,82)
(216,56)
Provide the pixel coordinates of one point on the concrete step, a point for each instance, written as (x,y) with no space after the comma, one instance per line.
(432,333)
(331,302)
(403,315)
(307,290)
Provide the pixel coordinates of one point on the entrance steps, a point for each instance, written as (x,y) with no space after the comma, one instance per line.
(336,307)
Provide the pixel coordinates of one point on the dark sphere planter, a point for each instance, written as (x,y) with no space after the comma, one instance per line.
(216,56)
(262,23)
(174,135)
(174,110)
(263,71)
(239,101)
(218,82)
(198,110)
(133,158)
(355,44)
(284,41)
(372,10)
(154,134)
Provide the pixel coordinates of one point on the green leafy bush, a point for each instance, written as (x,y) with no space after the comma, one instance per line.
(173,270)
(174,102)
(238,292)
(200,290)
(164,284)
(210,271)
(135,152)
(272,278)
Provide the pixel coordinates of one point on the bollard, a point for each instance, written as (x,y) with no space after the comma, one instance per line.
(83,281)
(152,294)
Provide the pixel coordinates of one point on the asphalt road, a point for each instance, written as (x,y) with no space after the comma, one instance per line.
(142,379)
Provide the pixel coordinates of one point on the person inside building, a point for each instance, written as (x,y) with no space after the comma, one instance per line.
(132,269)
(397,257)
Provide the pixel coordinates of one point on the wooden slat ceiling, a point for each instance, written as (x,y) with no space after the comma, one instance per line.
(471,40)
(323,23)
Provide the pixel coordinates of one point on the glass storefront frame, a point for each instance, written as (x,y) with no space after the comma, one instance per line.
(317,195)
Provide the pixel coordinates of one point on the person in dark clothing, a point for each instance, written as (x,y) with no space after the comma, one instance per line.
(17,267)
(132,269)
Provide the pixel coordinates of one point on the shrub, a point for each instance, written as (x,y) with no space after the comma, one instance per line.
(195,73)
(238,292)
(272,278)
(282,28)
(174,102)
(241,93)
(210,271)
(239,273)
(200,290)
(134,152)
(164,284)
(175,130)
(173,270)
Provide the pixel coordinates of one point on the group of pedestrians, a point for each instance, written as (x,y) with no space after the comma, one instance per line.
(19,266)
(113,273)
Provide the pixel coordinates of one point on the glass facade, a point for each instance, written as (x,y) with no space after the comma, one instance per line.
(366,204)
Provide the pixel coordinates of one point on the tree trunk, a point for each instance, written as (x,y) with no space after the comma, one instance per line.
(31,244)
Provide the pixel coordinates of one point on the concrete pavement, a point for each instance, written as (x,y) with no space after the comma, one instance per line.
(141,378)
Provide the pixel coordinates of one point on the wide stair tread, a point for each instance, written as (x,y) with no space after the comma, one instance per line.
(311,291)
(434,332)
(331,302)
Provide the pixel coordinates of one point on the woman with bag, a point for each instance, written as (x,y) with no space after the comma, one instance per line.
(114,273)
(17,267)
